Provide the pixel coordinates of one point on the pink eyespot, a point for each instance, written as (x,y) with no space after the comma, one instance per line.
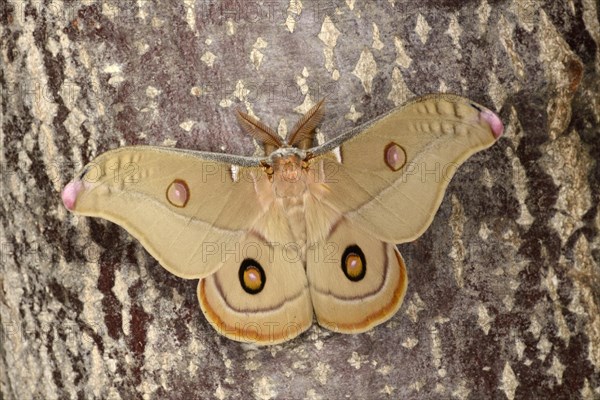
(178,193)
(394,156)
(70,193)
(494,121)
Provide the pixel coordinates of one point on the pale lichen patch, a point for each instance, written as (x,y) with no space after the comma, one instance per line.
(329,35)
(414,306)
(169,142)
(110,11)
(282,128)
(402,59)
(519,347)
(496,90)
(264,389)
(123,281)
(231,27)
(457,252)
(534,327)
(506,30)
(509,302)
(568,161)
(422,28)
(353,115)
(152,92)
(387,390)
(418,384)
(462,392)
(483,14)
(484,320)
(484,231)
(587,393)
(256,56)
(306,105)
(544,347)
(443,88)
(508,382)
(196,91)
(157,22)
(96,367)
(208,58)
(400,92)
(252,365)
(454,31)
(556,369)
(321,372)
(385,369)
(377,43)
(520,183)
(73,122)
(112,69)
(550,282)
(142,47)
(564,71)
(50,155)
(410,342)
(241,92)
(293,12)
(190,14)
(311,394)
(526,12)
(187,125)
(366,69)
(436,348)
(585,279)
(356,360)
(301,81)
(220,393)
(69,93)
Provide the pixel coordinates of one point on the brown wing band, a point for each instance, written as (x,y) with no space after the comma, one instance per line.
(237,333)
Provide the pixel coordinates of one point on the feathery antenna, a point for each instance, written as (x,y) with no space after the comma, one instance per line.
(258,130)
(303,130)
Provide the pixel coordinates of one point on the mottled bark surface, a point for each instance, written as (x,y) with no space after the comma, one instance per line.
(503,299)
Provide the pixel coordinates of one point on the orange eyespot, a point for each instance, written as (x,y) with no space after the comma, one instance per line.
(252,276)
(354,263)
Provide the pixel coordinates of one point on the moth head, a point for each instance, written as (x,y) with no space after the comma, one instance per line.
(287,174)
(301,137)
(288,166)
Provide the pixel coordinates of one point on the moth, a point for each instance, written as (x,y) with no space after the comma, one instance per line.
(302,230)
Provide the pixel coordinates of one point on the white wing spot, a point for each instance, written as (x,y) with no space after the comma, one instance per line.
(234,170)
(338,154)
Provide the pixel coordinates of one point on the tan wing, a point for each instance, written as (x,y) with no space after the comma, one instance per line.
(258,294)
(356,281)
(390,178)
(178,204)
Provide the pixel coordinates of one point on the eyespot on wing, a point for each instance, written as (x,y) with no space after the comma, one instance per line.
(494,121)
(70,193)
